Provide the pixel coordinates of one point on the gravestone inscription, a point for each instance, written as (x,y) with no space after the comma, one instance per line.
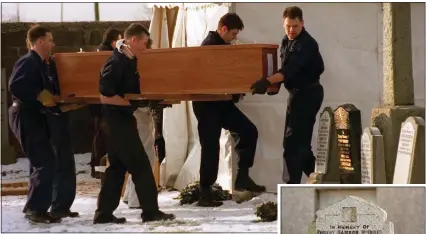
(410,158)
(372,157)
(348,128)
(326,164)
(352,215)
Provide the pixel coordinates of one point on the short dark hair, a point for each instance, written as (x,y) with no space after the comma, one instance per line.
(110,35)
(231,21)
(293,12)
(135,30)
(149,44)
(36,32)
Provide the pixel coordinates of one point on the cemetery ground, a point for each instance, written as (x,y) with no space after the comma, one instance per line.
(230,217)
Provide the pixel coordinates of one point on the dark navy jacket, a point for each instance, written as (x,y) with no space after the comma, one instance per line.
(28,79)
(301,61)
(120,76)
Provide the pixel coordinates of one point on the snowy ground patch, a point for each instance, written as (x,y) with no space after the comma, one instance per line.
(230,217)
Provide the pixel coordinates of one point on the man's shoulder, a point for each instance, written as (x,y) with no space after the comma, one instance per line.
(308,38)
(26,60)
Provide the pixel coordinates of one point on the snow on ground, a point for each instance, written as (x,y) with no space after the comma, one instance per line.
(230,217)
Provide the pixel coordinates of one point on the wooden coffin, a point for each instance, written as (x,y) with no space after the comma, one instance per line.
(166,73)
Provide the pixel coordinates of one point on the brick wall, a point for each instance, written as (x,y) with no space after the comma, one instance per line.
(68,37)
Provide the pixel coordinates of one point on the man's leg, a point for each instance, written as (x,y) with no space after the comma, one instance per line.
(37,148)
(65,181)
(315,102)
(300,118)
(209,130)
(145,127)
(236,122)
(130,152)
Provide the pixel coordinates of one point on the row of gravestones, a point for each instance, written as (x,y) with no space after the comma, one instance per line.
(346,155)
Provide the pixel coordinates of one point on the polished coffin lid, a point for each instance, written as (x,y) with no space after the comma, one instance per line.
(188,72)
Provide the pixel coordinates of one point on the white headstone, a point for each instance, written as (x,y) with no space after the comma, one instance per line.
(372,157)
(353,215)
(410,157)
(323,142)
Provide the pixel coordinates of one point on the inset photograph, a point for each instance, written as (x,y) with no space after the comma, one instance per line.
(354,209)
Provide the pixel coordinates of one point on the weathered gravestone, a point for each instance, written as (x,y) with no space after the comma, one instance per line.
(327,162)
(348,128)
(372,157)
(410,158)
(352,215)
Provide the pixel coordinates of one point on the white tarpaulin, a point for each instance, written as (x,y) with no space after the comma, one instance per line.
(182,163)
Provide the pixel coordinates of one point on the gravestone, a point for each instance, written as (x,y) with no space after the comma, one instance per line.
(410,158)
(372,157)
(326,164)
(348,128)
(352,215)
(8,153)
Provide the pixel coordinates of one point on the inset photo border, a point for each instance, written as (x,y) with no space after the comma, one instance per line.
(351,209)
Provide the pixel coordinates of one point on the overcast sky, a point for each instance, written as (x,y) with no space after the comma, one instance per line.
(51,12)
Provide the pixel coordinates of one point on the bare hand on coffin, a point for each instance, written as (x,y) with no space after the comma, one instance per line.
(260,86)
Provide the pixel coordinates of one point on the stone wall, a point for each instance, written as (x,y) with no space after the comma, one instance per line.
(68,37)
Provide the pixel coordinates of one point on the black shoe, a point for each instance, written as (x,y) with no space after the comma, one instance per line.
(206,198)
(64,214)
(244,182)
(41,217)
(156,216)
(108,219)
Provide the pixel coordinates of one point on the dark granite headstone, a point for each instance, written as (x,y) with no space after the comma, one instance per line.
(348,127)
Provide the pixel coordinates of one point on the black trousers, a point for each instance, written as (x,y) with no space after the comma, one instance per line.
(212,117)
(64,184)
(125,153)
(99,148)
(302,107)
(30,128)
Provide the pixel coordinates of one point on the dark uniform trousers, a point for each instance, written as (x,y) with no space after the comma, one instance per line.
(302,107)
(30,128)
(64,183)
(125,153)
(212,117)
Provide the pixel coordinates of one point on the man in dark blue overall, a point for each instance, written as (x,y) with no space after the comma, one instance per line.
(28,122)
(301,67)
(64,184)
(118,77)
(215,115)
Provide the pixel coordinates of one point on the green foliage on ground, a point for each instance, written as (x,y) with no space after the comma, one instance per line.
(267,211)
(191,193)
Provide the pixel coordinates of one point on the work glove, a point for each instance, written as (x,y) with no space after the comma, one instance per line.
(260,86)
(46,98)
(124,49)
(272,93)
(237,97)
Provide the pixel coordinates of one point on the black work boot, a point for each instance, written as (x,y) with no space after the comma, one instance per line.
(64,214)
(206,198)
(102,218)
(150,216)
(41,217)
(244,182)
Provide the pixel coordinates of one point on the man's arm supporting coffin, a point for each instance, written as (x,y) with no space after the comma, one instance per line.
(206,73)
